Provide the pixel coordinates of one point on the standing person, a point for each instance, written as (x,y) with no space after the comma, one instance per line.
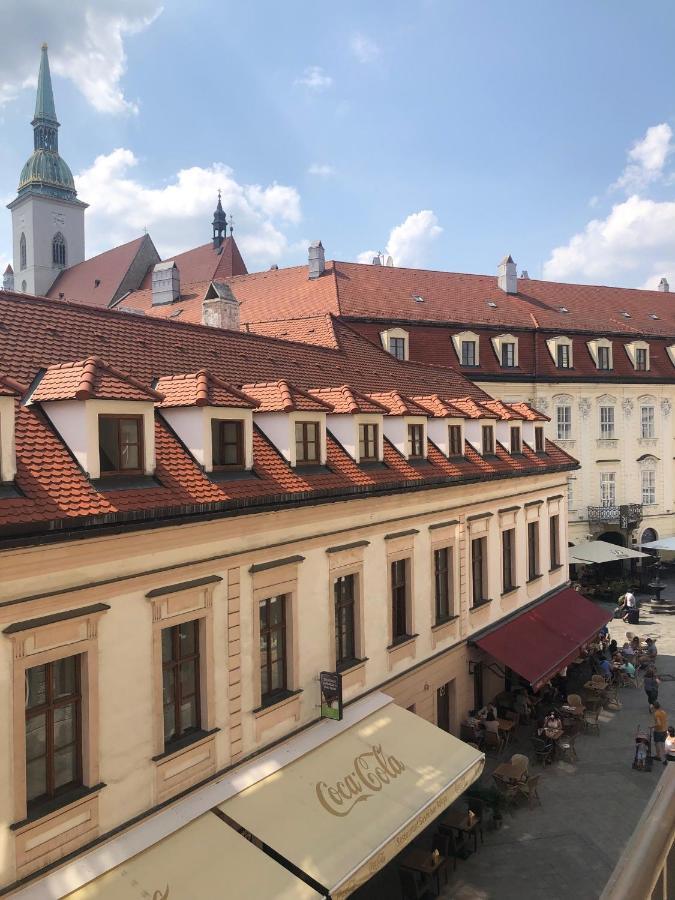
(660,730)
(651,686)
(630,607)
(670,746)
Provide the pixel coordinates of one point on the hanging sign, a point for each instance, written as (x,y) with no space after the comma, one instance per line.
(331,695)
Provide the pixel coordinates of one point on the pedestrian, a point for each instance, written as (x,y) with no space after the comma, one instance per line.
(670,746)
(660,730)
(651,686)
(631,614)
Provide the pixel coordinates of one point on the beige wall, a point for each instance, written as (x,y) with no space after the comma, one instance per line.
(620,456)
(119,571)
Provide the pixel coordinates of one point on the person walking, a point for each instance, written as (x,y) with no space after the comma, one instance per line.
(631,615)
(651,686)
(670,746)
(660,730)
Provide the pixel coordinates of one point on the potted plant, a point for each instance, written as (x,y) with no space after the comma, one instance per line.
(492,799)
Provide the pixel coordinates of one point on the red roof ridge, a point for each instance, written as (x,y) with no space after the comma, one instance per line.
(505,411)
(85,387)
(287,394)
(351,397)
(401,404)
(529,412)
(204,380)
(12,387)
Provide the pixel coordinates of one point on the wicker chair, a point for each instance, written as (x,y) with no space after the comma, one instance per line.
(493,742)
(591,721)
(530,789)
(543,750)
(566,747)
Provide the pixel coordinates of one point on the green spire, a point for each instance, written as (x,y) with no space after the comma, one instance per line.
(44,102)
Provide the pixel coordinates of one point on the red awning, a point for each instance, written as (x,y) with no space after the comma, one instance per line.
(544,639)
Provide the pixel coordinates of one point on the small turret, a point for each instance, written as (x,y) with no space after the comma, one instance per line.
(219,225)
(8,279)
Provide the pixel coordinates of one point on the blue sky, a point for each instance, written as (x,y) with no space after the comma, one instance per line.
(444,133)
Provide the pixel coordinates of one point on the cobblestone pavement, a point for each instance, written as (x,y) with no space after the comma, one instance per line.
(567,847)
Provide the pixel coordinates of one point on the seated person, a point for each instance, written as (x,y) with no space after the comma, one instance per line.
(628,668)
(491,723)
(650,649)
(605,668)
(627,651)
(613,647)
(552,722)
(489,707)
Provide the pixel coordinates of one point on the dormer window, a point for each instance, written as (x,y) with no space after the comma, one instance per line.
(468,353)
(395,341)
(488,440)
(604,361)
(516,446)
(455,441)
(369,442)
(563,356)
(641,359)
(506,350)
(539,439)
(227,438)
(467,345)
(397,347)
(120,442)
(415,441)
(307,443)
(508,354)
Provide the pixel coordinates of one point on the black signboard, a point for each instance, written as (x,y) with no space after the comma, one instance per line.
(331,695)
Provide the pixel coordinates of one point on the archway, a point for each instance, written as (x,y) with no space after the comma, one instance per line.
(613,570)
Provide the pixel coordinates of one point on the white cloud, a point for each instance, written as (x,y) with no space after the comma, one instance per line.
(409,243)
(178,214)
(315,79)
(86,45)
(646,158)
(321,169)
(364,48)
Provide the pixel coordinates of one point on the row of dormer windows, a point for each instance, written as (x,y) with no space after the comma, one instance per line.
(467,347)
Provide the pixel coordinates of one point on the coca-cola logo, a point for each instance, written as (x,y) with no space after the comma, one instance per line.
(372,771)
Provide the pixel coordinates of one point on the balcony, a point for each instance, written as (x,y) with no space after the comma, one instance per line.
(628,515)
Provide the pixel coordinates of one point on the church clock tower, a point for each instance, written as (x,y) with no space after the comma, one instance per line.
(47,217)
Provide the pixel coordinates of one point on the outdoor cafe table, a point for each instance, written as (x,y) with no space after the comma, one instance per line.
(459,820)
(509,772)
(506,727)
(419,860)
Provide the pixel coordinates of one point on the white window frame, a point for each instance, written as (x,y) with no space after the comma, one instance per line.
(631,350)
(468,337)
(563,428)
(608,489)
(647,423)
(561,341)
(389,334)
(498,344)
(648,486)
(607,427)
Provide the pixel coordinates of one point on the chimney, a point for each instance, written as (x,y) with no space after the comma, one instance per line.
(664,286)
(220,308)
(377,261)
(524,274)
(165,283)
(507,278)
(316,260)
(8,279)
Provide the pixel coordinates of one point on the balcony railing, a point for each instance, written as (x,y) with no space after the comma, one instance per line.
(646,869)
(627,515)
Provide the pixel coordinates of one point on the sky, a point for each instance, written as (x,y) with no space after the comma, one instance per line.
(445,133)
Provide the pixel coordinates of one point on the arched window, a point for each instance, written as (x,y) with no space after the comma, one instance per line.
(22,252)
(59,250)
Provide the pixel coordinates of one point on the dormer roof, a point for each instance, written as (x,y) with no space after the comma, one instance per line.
(282,396)
(10,388)
(346,400)
(398,404)
(505,411)
(440,408)
(202,388)
(472,410)
(90,379)
(529,413)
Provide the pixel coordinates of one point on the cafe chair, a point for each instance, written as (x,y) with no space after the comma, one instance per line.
(530,789)
(543,750)
(481,811)
(507,790)
(415,885)
(566,746)
(493,742)
(591,723)
(452,845)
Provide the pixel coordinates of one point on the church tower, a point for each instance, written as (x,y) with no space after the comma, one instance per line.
(47,217)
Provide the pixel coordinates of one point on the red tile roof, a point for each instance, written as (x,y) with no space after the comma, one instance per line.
(78,283)
(344,399)
(205,264)
(201,389)
(529,412)
(280,396)
(10,388)
(54,492)
(398,405)
(440,408)
(89,379)
(505,411)
(474,410)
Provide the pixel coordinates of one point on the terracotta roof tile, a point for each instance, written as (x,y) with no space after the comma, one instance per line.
(344,399)
(281,396)
(473,410)
(529,413)
(504,411)
(205,264)
(439,408)
(201,389)
(10,388)
(90,379)
(399,405)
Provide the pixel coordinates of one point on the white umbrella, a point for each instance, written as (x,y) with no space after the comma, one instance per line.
(601,552)
(662,544)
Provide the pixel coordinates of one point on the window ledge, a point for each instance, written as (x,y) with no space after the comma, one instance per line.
(108,483)
(443,622)
(401,642)
(311,469)
(183,743)
(350,665)
(555,568)
(534,578)
(510,590)
(56,805)
(218,475)
(481,604)
(276,702)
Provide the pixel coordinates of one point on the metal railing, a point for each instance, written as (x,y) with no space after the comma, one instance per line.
(646,869)
(626,515)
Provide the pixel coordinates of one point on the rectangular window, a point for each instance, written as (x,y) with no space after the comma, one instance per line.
(227,440)
(273,668)
(603,358)
(508,355)
(607,422)
(443,584)
(53,729)
(647,427)
(180,680)
(397,347)
(120,440)
(479,570)
(532,550)
(368,443)
(607,489)
(468,353)
(563,419)
(344,596)
(456,445)
(307,443)
(508,560)
(570,493)
(515,439)
(488,433)
(554,540)
(399,590)
(648,478)
(415,441)
(563,356)
(641,359)
(539,439)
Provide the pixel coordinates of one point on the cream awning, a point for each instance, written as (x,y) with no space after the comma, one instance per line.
(343,810)
(206,859)
(601,552)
